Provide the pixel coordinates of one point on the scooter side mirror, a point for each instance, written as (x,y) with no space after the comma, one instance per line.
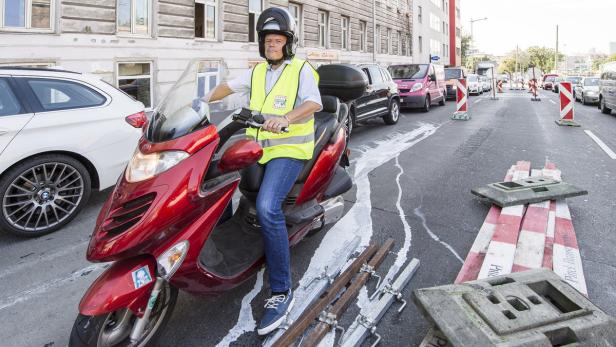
(240,155)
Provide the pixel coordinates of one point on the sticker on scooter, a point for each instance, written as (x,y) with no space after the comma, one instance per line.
(280,101)
(141,277)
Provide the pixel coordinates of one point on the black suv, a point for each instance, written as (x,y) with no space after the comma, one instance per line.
(380,98)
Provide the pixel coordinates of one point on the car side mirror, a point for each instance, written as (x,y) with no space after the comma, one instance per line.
(240,155)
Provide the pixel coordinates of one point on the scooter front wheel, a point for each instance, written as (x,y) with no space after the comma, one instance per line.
(114,329)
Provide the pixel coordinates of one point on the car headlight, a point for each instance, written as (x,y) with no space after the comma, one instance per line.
(416,87)
(454,86)
(170,261)
(144,166)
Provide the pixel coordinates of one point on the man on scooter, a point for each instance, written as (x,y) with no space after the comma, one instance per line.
(285,90)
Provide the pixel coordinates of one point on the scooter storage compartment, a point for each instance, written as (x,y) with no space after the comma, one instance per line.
(345,81)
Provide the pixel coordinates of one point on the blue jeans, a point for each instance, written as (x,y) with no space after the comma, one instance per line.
(280,175)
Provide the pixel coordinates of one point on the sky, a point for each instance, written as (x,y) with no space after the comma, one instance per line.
(583,24)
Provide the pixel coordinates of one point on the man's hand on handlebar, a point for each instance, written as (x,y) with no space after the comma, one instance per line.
(276,124)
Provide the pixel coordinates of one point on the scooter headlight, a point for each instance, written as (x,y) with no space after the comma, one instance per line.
(170,261)
(144,166)
(416,87)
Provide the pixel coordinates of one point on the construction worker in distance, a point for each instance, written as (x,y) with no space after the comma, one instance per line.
(284,89)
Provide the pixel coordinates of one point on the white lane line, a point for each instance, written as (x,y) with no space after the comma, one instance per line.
(59,282)
(552,101)
(245,321)
(601,144)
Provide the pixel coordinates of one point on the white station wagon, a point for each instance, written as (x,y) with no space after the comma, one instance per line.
(62,134)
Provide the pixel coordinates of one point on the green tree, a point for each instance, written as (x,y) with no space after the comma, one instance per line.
(514,62)
(596,64)
(543,57)
(465,48)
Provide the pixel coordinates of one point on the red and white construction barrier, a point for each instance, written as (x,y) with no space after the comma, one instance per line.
(501,251)
(546,239)
(461,101)
(533,89)
(566,105)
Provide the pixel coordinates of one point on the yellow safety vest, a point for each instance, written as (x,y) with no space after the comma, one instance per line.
(298,143)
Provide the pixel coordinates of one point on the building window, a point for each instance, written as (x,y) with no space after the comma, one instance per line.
(206,19)
(419,14)
(208,77)
(444,27)
(363,34)
(409,46)
(135,79)
(457,32)
(435,22)
(377,43)
(435,47)
(323,29)
(345,32)
(399,38)
(254,10)
(35,15)
(296,12)
(420,44)
(457,13)
(134,17)
(388,42)
(444,50)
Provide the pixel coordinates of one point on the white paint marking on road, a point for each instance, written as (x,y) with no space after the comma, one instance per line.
(358,220)
(601,144)
(419,214)
(41,289)
(245,321)
(552,101)
(476,101)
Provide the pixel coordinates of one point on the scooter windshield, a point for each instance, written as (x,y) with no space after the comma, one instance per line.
(181,111)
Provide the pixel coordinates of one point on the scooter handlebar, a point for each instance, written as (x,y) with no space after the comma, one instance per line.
(252,119)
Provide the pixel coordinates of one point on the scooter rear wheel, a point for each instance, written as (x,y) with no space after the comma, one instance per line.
(113,329)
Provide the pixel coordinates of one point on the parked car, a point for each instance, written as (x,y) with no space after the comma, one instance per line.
(420,85)
(607,88)
(485,83)
(473,85)
(587,90)
(380,99)
(62,134)
(574,80)
(556,85)
(452,74)
(548,81)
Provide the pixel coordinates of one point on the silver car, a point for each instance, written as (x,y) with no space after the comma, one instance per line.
(587,90)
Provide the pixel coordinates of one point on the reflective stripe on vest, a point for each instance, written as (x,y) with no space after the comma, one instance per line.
(298,143)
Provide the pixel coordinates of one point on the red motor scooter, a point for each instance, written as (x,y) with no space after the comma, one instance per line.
(162,227)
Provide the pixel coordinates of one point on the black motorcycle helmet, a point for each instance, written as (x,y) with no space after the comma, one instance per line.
(276,20)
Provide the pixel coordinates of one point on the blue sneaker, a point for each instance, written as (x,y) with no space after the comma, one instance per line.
(276,309)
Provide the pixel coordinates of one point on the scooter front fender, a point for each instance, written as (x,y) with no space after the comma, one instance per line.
(126,284)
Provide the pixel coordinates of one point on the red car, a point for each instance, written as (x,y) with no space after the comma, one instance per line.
(548,81)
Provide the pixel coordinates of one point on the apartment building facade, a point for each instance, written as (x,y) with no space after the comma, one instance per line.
(431,31)
(143,46)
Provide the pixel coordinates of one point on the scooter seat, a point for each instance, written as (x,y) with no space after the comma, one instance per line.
(325,123)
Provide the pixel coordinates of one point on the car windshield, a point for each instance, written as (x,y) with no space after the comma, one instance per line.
(412,71)
(180,112)
(472,78)
(574,80)
(591,82)
(451,74)
(550,79)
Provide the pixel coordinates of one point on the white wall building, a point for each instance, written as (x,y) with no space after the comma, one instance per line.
(431,31)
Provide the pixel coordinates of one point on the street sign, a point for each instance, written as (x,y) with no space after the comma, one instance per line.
(434,58)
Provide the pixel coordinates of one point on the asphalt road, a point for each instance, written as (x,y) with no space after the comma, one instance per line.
(413,184)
